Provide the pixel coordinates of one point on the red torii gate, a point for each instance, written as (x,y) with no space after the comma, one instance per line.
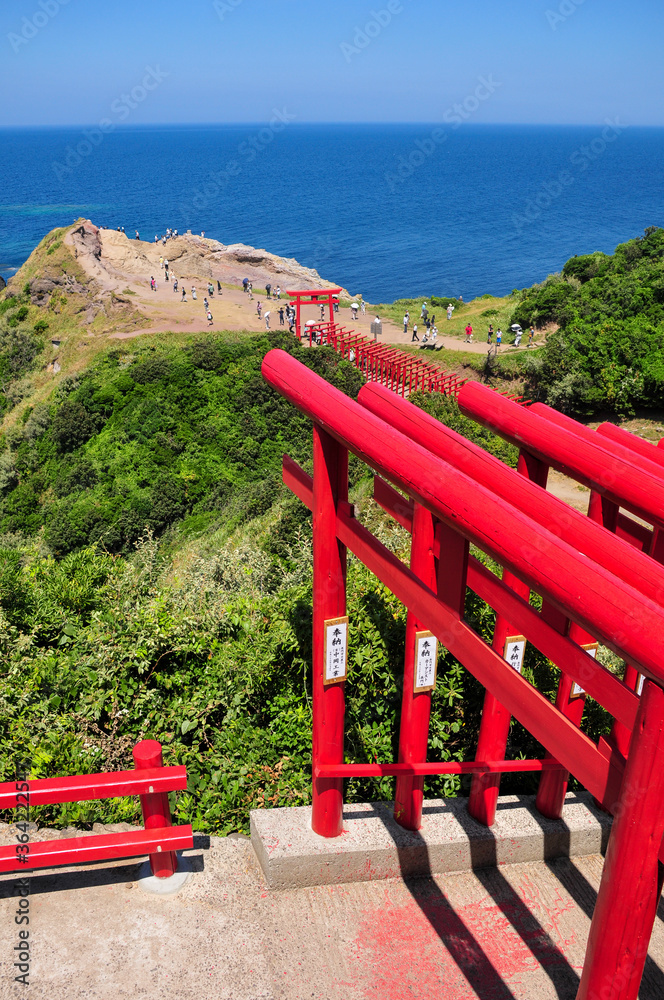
(313,296)
(585,574)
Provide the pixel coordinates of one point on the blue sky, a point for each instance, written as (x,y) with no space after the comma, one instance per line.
(555,61)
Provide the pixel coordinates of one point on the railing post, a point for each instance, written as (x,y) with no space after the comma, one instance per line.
(329,600)
(496,719)
(552,787)
(154,806)
(448,578)
(629,891)
(415,708)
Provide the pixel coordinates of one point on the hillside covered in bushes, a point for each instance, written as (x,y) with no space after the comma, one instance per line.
(607,354)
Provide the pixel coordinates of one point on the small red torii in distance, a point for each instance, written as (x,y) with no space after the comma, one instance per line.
(316,297)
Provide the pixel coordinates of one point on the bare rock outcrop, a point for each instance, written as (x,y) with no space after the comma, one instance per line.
(193,258)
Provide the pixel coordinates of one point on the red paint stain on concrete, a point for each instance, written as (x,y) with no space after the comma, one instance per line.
(427,949)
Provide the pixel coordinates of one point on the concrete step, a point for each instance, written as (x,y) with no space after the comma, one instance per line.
(373,846)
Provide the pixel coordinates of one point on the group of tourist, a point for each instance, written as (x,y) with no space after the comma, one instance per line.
(431,331)
(248,287)
(285,315)
(171,279)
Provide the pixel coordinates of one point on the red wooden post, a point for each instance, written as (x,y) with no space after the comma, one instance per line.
(415,708)
(449,579)
(495,724)
(629,891)
(329,599)
(553,784)
(154,806)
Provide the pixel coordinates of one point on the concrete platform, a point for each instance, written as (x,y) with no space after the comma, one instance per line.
(373,846)
(516,932)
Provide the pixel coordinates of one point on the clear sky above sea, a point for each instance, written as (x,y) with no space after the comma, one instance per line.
(541,61)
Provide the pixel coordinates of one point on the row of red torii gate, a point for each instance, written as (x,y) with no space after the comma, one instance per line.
(601,583)
(379,362)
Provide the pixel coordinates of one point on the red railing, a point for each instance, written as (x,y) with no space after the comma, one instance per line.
(151,781)
(592,584)
(617,477)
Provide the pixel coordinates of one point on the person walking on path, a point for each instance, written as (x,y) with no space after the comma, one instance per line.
(206,304)
(414,337)
(193,292)
(278,292)
(161,263)
(469,334)
(175,284)
(245,284)
(209,318)
(259,310)
(251,291)
(499,337)
(363,307)
(281,315)
(268,289)
(531,337)
(184,295)
(267,320)
(405,323)
(450,310)
(423,311)
(219,287)
(489,336)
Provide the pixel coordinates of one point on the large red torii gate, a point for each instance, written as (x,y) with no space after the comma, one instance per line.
(609,589)
(313,296)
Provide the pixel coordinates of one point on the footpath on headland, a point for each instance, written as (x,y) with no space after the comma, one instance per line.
(122,266)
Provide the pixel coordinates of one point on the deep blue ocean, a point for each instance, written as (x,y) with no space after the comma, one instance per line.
(386,210)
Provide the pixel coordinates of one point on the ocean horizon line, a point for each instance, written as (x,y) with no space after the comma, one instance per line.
(466,126)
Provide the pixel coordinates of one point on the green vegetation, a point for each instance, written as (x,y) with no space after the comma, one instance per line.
(155,581)
(155,575)
(607,353)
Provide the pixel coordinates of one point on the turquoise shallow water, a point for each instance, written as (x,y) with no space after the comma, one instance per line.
(388,210)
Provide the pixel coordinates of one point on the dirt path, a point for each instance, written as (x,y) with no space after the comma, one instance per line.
(123,267)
